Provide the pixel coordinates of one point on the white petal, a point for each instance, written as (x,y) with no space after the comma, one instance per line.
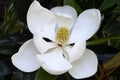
(86,25)
(66,11)
(66,16)
(40,19)
(42,45)
(86,66)
(76,51)
(54,62)
(25,59)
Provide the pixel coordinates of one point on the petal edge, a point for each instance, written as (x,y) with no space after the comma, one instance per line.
(86,66)
(86,25)
(25,59)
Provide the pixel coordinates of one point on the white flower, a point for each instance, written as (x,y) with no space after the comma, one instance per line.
(59,41)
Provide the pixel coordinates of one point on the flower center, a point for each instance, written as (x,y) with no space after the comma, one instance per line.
(62,36)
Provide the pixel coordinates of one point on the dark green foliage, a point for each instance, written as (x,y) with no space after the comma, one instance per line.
(74,4)
(105,43)
(43,75)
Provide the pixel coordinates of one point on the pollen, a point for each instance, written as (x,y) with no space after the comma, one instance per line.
(62,35)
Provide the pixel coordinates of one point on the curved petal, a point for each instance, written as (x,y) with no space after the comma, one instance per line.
(41,44)
(54,62)
(39,19)
(86,66)
(76,51)
(66,11)
(86,25)
(66,16)
(25,59)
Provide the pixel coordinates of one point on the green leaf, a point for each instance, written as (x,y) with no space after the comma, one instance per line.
(102,40)
(43,75)
(9,49)
(113,27)
(118,2)
(107,4)
(74,4)
(10,21)
(116,11)
(115,43)
(116,74)
(57,2)
(21,7)
(9,44)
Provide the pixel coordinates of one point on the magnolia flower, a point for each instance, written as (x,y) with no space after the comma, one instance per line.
(59,41)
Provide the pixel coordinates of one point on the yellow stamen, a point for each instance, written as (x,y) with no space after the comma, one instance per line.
(62,35)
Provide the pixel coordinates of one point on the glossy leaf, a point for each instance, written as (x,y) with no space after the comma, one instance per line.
(21,7)
(116,12)
(8,49)
(43,75)
(118,2)
(116,74)
(9,44)
(113,28)
(11,22)
(107,4)
(74,4)
(56,3)
(102,40)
